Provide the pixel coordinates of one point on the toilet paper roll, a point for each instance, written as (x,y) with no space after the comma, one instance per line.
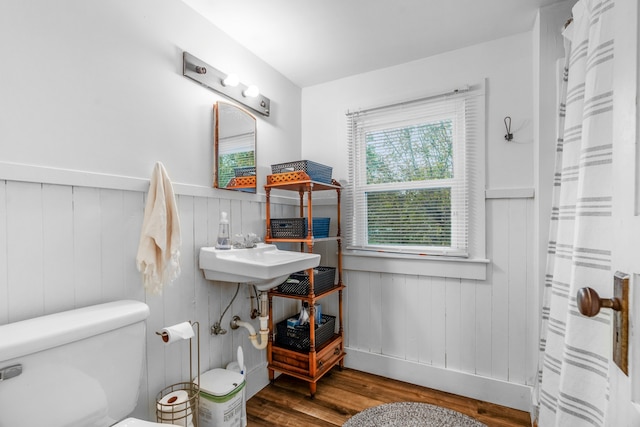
(181,331)
(175,408)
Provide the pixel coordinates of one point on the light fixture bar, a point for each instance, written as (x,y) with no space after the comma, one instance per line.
(212,78)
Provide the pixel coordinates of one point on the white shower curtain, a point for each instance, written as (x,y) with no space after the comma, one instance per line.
(575,350)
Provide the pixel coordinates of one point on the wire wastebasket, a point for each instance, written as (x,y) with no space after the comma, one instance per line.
(178,404)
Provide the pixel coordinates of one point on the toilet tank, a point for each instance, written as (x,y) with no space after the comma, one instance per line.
(75,368)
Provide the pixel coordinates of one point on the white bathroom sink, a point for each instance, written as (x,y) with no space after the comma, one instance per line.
(264,266)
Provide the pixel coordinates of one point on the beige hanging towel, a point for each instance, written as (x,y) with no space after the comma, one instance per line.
(158,256)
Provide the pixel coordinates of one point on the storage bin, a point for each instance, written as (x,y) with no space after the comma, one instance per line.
(298,283)
(288,228)
(245,171)
(297,338)
(296,228)
(316,171)
(321,227)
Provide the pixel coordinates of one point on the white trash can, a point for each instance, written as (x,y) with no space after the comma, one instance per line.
(221,398)
(233,366)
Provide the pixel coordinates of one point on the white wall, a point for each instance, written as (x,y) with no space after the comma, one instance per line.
(505,63)
(98,86)
(548,47)
(92,95)
(467,336)
(474,338)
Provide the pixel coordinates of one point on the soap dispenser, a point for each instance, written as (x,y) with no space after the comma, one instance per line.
(224,239)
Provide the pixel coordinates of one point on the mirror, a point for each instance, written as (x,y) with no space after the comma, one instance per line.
(234,150)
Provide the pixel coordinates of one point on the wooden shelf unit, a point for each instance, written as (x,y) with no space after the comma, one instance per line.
(312,365)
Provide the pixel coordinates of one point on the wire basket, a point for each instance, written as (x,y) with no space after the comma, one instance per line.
(245,171)
(298,338)
(296,228)
(298,283)
(178,411)
(316,171)
(288,228)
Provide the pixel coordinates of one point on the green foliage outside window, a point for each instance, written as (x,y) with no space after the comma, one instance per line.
(413,217)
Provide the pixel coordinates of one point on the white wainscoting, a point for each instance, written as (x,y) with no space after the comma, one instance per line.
(476,338)
(71,245)
(66,246)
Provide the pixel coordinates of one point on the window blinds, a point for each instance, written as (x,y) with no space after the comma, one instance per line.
(408,187)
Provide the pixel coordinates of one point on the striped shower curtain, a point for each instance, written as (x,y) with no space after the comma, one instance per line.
(575,350)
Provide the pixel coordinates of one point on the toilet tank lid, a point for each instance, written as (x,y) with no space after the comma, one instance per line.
(40,333)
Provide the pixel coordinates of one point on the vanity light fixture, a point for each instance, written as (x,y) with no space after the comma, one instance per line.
(231,80)
(226,84)
(251,92)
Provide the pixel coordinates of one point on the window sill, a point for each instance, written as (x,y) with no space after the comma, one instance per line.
(463,268)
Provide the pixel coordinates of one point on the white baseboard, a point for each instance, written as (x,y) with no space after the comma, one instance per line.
(257,379)
(503,393)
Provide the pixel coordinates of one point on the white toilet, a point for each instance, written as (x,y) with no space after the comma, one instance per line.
(79,368)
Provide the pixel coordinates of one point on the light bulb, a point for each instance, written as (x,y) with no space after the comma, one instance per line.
(251,92)
(231,80)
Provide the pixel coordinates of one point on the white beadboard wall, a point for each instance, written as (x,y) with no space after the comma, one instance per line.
(469,337)
(70,246)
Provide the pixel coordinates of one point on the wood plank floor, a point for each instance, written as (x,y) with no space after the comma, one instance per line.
(343,393)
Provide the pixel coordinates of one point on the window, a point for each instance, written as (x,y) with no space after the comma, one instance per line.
(410,169)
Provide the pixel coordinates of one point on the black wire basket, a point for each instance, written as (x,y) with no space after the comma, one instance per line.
(298,283)
(298,337)
(316,171)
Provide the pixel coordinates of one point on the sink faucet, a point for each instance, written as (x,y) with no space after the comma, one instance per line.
(246,242)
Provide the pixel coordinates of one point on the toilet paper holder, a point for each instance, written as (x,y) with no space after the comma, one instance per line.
(178,403)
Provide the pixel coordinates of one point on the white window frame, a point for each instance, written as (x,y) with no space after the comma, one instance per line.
(474,250)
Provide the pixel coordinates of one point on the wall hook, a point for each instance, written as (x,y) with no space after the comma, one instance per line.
(507,125)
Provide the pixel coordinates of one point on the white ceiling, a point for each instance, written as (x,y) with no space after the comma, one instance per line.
(315,41)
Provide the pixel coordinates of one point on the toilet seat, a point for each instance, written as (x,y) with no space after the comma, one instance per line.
(134,422)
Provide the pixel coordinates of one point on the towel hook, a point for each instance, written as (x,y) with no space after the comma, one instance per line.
(509,135)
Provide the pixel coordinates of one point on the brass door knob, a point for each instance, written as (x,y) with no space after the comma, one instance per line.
(590,303)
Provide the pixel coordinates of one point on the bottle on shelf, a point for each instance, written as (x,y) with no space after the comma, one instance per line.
(224,240)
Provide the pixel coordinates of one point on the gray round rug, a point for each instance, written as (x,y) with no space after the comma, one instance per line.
(410,414)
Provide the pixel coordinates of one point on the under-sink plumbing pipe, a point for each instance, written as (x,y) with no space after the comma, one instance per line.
(217,327)
(253,337)
(236,322)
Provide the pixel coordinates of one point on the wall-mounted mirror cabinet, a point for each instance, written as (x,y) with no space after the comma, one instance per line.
(234,131)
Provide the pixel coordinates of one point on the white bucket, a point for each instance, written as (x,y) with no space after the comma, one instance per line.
(221,398)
